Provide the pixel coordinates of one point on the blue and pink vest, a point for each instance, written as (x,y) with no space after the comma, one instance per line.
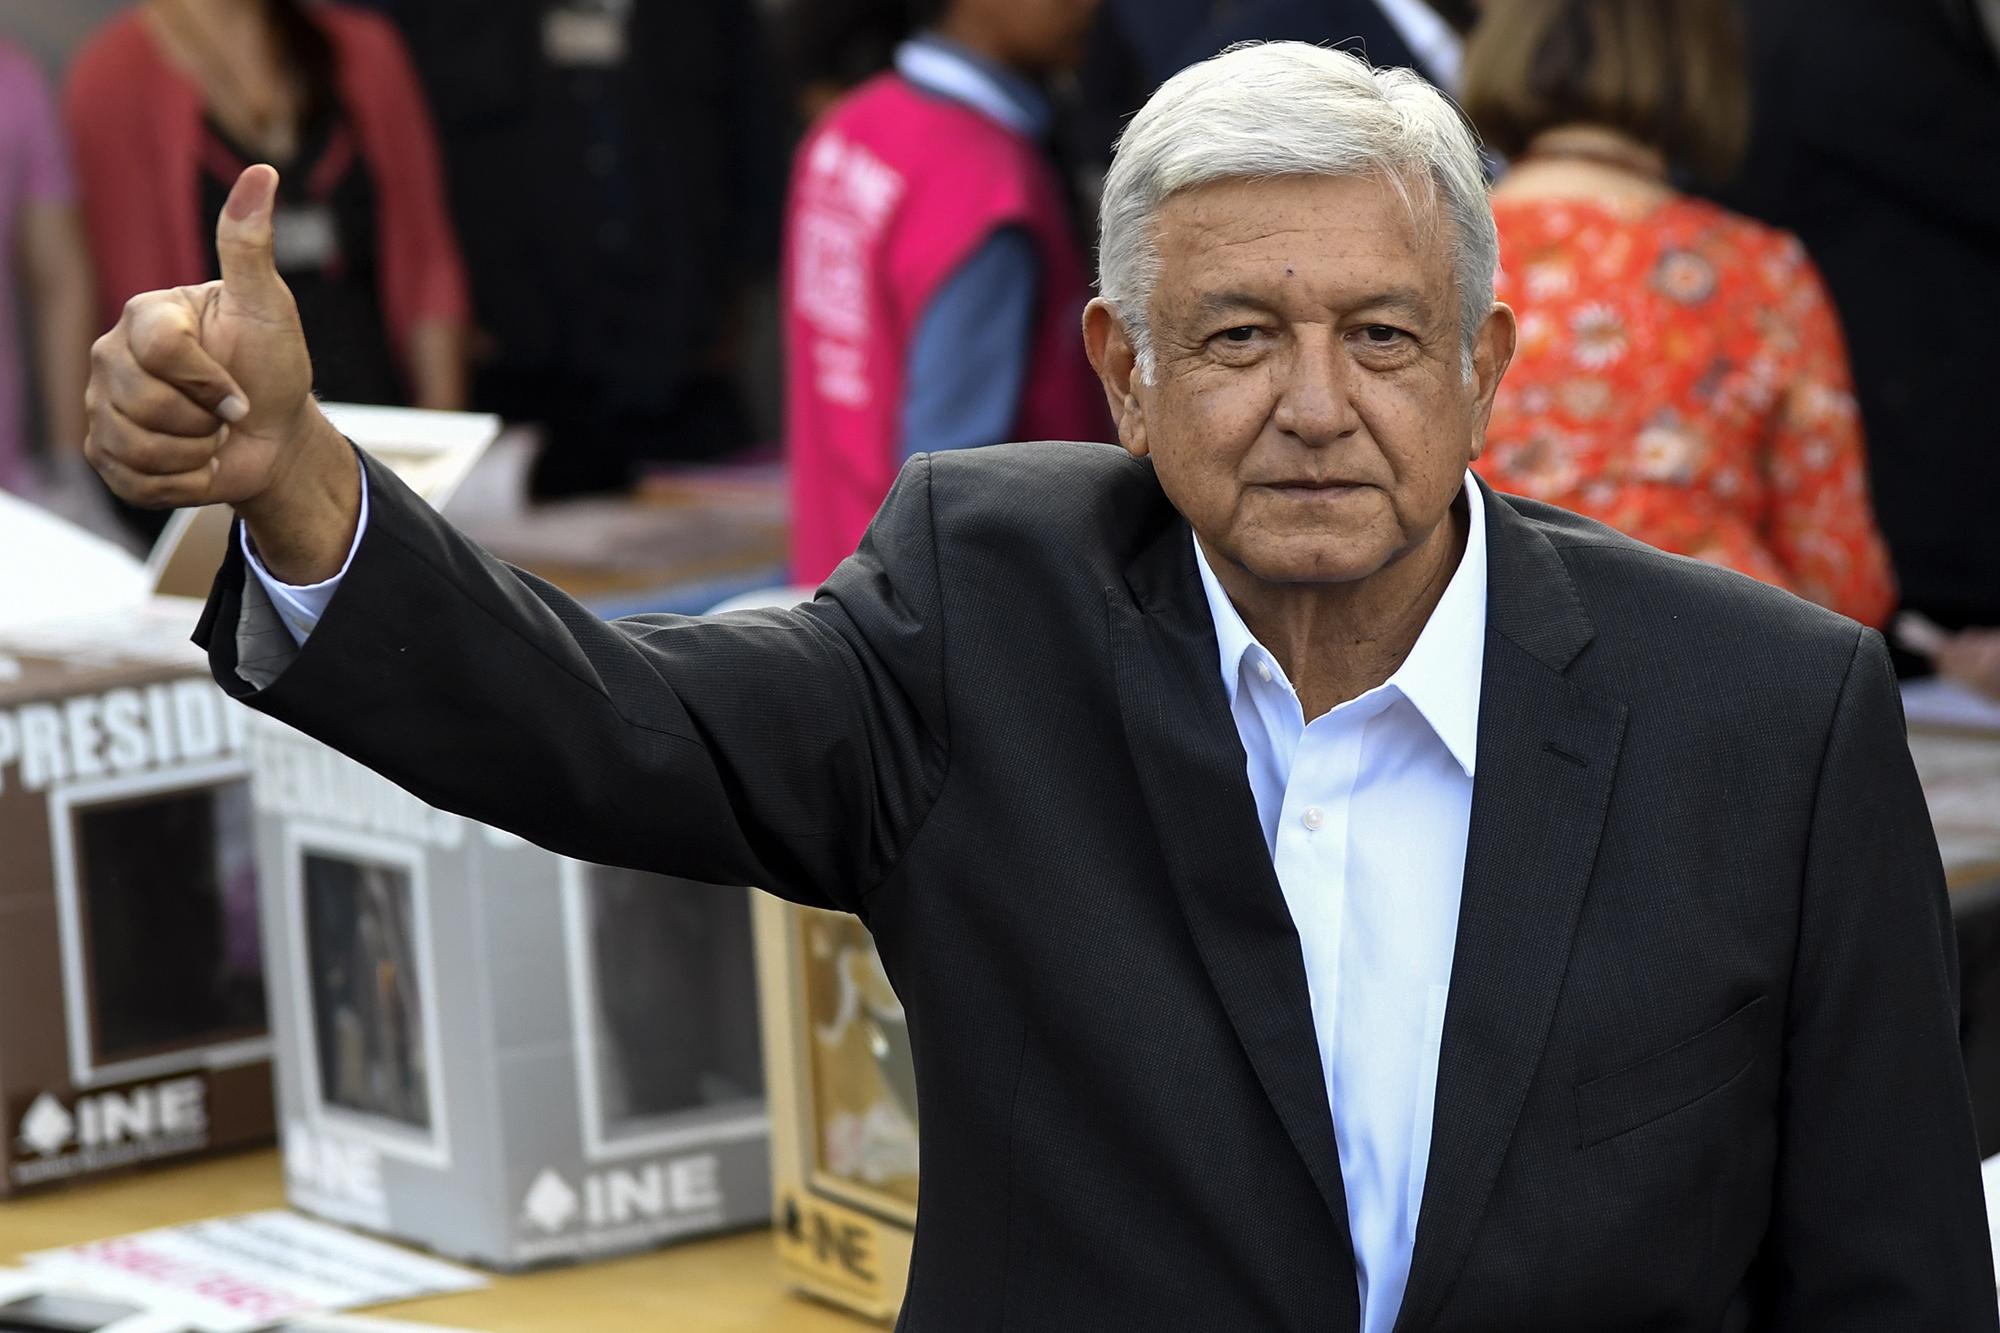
(891,193)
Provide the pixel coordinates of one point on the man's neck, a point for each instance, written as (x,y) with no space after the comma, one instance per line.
(1337,641)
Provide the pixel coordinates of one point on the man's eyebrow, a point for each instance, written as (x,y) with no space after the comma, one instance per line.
(1407,300)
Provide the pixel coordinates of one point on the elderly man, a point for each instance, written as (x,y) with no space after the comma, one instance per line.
(1326,894)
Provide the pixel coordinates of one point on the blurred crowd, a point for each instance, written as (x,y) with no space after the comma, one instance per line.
(1754,245)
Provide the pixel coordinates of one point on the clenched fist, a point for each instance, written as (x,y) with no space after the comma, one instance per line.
(202,395)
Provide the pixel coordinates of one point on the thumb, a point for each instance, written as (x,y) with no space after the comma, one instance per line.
(243,238)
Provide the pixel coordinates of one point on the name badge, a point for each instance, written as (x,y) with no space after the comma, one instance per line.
(305,237)
(583,38)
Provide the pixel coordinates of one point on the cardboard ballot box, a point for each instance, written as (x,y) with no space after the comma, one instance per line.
(132,1011)
(843,1101)
(132,992)
(494,1051)
(491,1050)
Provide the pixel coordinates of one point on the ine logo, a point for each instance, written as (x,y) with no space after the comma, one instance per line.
(47,1129)
(173,1109)
(334,1169)
(111,1128)
(618,1197)
(551,1204)
(837,1245)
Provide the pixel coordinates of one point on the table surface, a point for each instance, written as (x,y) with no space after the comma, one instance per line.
(725,1285)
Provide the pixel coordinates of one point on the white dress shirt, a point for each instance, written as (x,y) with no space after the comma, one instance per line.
(1365,810)
(301,605)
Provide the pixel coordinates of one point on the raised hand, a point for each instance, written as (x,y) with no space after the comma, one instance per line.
(202,395)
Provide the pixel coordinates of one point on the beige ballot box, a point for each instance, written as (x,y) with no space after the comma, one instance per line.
(843,1099)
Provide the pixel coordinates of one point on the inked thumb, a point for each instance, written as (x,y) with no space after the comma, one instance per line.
(243,237)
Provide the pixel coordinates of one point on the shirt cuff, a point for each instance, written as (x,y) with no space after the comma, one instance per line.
(300,607)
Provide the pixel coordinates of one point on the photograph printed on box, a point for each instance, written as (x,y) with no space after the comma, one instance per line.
(863,1082)
(673,1009)
(167,885)
(367,1013)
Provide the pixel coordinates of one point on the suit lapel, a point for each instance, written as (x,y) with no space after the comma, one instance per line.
(1190,764)
(1548,750)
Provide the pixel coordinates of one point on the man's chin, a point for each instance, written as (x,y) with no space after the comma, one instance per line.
(1312,560)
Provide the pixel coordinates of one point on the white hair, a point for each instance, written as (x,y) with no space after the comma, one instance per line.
(1271,109)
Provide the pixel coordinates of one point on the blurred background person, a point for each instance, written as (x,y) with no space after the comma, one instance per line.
(1681,374)
(934,286)
(45,288)
(1987,13)
(1424,35)
(1135,46)
(172,98)
(617,171)
(1139,44)
(1892,180)
(827,48)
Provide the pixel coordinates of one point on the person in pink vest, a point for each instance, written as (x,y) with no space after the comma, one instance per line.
(934,285)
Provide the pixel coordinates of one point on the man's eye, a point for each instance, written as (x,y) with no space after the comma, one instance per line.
(1381,334)
(1242,333)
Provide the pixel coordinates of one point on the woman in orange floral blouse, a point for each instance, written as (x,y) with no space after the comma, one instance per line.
(1680,374)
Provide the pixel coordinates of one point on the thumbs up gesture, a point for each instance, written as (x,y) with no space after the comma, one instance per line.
(202,395)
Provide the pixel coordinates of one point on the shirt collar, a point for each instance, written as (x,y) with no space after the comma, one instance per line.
(1442,674)
(941,66)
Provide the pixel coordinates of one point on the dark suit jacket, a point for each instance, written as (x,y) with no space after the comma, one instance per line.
(1699,1068)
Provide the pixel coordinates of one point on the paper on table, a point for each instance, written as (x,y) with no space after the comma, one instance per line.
(1936,702)
(29,1298)
(51,568)
(240,1274)
(333,1323)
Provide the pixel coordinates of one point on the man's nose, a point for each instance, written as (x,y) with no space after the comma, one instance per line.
(1315,398)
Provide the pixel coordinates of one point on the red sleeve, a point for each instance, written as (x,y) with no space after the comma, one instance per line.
(122,138)
(1822,519)
(423,273)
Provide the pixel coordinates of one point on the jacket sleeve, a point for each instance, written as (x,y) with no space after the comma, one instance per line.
(1879,1217)
(797,750)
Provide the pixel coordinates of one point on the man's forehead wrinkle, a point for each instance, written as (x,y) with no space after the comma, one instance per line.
(1241,295)
(1226,234)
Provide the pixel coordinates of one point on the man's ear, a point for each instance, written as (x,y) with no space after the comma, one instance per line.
(1116,362)
(1492,352)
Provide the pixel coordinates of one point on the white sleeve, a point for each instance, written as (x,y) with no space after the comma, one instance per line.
(301,607)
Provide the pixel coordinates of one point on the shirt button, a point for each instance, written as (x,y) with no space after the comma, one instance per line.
(1313,818)
(1263,671)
